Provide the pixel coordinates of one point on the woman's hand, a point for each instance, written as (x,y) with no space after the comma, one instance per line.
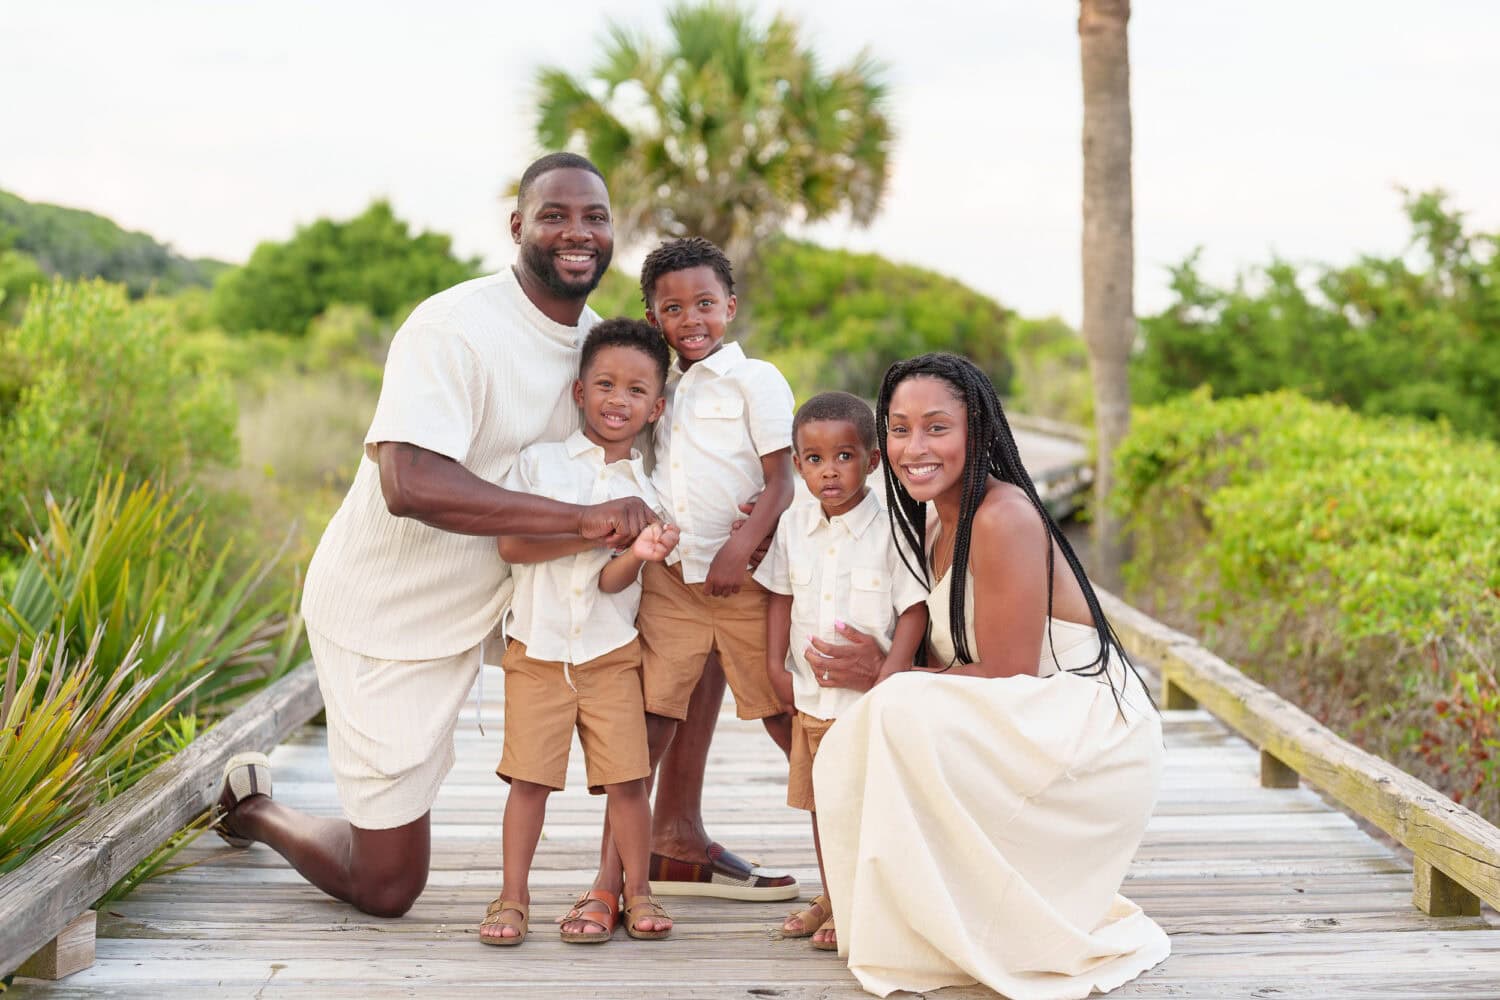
(852,663)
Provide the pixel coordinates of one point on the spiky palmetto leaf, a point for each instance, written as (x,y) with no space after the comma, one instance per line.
(127,569)
(66,736)
(728,130)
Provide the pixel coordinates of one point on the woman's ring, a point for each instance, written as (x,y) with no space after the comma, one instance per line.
(825,675)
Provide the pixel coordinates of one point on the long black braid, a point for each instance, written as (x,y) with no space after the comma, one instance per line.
(990,451)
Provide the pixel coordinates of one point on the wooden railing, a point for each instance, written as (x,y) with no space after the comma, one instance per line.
(1456,852)
(55,889)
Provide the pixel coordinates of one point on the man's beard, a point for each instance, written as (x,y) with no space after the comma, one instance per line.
(543,266)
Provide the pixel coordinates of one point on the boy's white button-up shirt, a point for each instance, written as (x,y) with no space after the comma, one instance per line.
(722,415)
(844,568)
(558,609)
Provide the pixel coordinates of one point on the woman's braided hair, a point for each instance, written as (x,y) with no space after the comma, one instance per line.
(990,451)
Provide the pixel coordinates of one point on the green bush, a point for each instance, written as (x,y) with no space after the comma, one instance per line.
(1051,372)
(1352,563)
(837,320)
(371,260)
(90,382)
(1407,336)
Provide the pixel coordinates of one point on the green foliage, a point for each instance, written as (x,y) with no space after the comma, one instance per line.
(831,319)
(70,243)
(67,736)
(1382,336)
(1051,372)
(725,130)
(1351,562)
(371,260)
(19,273)
(128,568)
(88,381)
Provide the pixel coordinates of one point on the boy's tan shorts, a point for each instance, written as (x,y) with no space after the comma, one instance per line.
(807,733)
(604,703)
(680,625)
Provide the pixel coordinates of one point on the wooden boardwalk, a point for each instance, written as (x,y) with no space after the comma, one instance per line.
(1266,893)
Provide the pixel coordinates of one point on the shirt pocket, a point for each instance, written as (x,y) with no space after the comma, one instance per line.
(719,420)
(870,599)
(804,605)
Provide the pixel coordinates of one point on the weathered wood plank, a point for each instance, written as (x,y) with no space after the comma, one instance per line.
(40,898)
(71,951)
(1454,840)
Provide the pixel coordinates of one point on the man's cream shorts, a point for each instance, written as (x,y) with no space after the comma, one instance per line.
(390,728)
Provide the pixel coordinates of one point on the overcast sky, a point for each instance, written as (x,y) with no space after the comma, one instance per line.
(1273,125)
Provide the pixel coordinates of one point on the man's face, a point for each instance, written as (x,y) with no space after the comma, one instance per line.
(564,231)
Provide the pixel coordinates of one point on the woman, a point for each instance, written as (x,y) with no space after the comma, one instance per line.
(978,815)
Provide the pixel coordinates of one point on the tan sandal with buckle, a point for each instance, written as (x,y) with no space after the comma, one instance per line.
(639,908)
(610,916)
(828,943)
(502,913)
(817,913)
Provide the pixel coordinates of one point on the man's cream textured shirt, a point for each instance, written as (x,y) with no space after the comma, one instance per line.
(843,568)
(476,373)
(558,609)
(722,415)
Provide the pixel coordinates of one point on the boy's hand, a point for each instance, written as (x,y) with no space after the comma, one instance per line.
(781,683)
(727,571)
(616,523)
(747,508)
(654,542)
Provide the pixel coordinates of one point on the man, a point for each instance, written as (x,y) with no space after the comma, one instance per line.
(406,582)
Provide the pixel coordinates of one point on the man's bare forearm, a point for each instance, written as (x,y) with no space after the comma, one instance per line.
(438,491)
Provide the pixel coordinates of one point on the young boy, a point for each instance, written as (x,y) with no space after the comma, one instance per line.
(832,562)
(725,437)
(574,659)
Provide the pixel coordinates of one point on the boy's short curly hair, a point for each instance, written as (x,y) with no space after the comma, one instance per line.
(679,255)
(837,406)
(625,332)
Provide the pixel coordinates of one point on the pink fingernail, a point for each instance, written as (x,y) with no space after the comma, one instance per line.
(838,625)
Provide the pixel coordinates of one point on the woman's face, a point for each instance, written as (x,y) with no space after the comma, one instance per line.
(926,436)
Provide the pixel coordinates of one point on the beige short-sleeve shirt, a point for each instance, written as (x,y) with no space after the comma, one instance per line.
(476,373)
(844,568)
(722,415)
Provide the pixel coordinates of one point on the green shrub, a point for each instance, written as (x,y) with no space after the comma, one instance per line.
(837,320)
(89,382)
(1352,563)
(1382,336)
(1051,372)
(371,260)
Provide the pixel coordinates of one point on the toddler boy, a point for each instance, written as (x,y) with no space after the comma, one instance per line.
(574,659)
(832,562)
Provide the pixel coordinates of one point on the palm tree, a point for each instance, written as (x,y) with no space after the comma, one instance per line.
(727,131)
(1108,248)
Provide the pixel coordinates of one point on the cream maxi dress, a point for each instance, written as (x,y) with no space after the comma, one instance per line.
(977,830)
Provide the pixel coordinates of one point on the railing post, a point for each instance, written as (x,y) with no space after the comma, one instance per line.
(1438,895)
(1174,696)
(1274,772)
(71,951)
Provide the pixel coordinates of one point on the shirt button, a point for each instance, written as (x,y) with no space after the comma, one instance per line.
(676,465)
(578,591)
(577,631)
(831,551)
(676,428)
(827,597)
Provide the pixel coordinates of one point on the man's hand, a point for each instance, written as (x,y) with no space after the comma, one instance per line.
(654,542)
(616,523)
(727,571)
(853,663)
(747,508)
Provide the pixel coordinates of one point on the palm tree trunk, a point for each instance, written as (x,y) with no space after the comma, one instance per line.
(1108,251)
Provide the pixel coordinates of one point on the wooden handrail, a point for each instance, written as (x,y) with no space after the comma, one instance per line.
(1457,851)
(41,897)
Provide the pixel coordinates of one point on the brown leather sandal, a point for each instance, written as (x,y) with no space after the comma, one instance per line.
(825,944)
(610,915)
(501,913)
(817,913)
(645,908)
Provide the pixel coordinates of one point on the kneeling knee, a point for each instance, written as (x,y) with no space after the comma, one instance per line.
(392,899)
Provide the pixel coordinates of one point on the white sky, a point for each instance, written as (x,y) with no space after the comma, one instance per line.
(1278,125)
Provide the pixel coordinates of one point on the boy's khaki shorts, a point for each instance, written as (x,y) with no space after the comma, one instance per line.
(807,733)
(680,625)
(604,703)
